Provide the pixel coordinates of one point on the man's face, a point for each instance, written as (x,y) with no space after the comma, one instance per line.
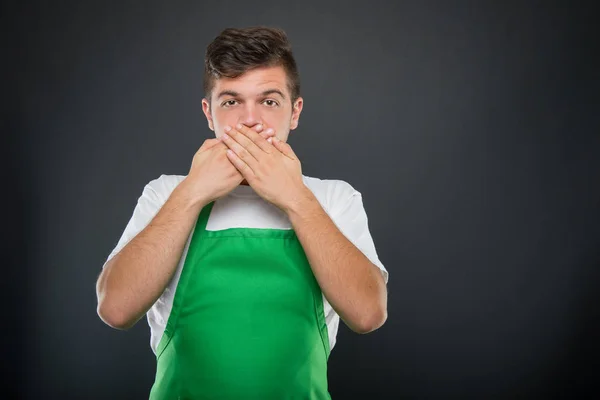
(258,96)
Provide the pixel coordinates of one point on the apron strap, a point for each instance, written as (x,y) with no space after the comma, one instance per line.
(203,218)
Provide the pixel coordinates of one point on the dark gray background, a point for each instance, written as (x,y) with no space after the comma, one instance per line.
(471,130)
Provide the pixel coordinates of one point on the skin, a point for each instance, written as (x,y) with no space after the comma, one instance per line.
(259,99)
(250,106)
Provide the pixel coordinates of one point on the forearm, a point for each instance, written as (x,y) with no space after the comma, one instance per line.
(353,285)
(135,277)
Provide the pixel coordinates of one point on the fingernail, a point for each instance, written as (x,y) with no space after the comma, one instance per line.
(259,127)
(227,128)
(269,140)
(269,131)
(239,126)
(225,136)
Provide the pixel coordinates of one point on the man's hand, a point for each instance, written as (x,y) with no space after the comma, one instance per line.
(211,174)
(270,167)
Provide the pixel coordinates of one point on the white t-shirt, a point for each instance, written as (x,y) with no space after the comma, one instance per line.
(244,208)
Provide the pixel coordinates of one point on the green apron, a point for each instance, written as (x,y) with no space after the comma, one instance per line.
(247,320)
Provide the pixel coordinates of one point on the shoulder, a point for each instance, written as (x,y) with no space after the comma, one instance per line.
(333,194)
(164,185)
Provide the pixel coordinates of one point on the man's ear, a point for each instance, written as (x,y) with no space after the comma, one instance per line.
(296,110)
(206,110)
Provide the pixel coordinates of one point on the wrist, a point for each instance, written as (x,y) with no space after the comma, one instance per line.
(188,196)
(299,203)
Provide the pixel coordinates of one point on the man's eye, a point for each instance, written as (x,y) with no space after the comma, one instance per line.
(271,103)
(229,103)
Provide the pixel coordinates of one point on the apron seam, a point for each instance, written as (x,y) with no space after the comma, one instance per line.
(320,316)
(174,314)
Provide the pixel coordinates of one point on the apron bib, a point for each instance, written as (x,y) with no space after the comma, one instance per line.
(247,320)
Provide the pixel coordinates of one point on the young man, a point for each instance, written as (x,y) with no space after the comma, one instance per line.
(245,266)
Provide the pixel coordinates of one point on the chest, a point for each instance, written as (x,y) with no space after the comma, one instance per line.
(241,212)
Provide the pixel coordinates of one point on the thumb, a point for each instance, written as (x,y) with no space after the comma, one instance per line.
(208,143)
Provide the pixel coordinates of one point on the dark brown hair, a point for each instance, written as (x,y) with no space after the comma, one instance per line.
(237,51)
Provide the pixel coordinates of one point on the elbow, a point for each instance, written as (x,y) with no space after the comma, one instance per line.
(372,320)
(111,314)
(374,314)
(112,317)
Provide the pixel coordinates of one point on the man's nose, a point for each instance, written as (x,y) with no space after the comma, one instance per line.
(250,116)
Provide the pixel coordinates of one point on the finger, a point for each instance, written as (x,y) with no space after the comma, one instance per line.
(238,142)
(255,141)
(246,141)
(241,166)
(258,127)
(267,133)
(285,148)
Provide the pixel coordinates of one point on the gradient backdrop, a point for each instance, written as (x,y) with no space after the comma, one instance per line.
(471,130)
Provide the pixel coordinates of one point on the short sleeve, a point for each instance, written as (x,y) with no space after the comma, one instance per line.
(148,205)
(350,217)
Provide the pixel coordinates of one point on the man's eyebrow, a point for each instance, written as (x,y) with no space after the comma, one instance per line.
(271,91)
(263,94)
(228,93)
